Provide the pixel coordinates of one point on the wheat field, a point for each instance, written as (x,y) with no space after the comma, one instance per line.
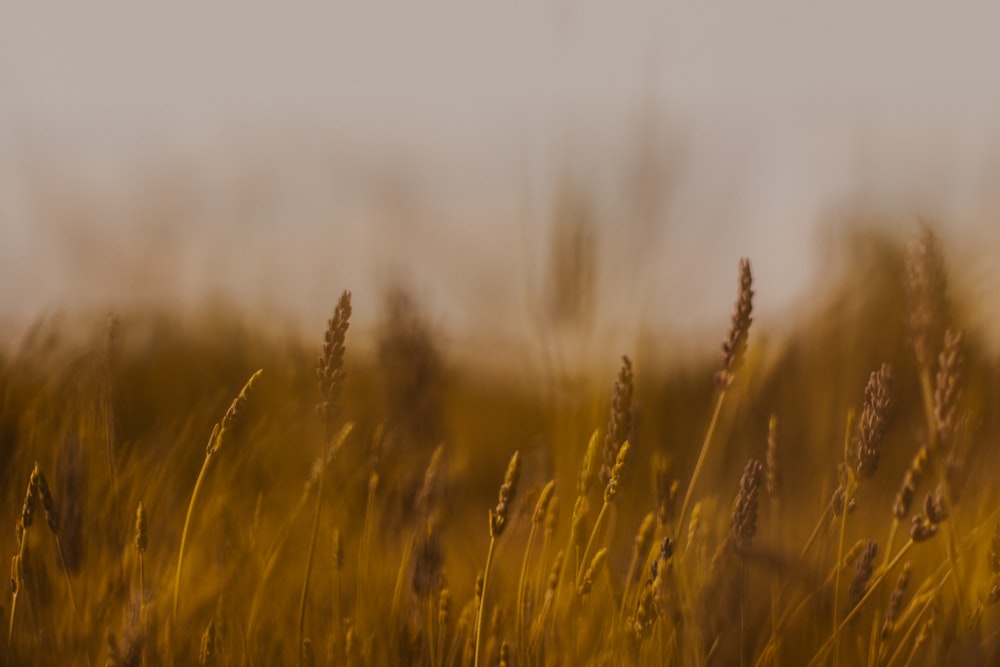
(216,494)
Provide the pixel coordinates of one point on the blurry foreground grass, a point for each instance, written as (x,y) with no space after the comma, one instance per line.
(826,500)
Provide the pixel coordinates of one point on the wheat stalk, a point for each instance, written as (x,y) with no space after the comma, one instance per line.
(498,519)
(215,442)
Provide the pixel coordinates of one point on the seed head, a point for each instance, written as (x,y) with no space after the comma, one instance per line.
(734,347)
(617,473)
(45,495)
(921,529)
(911,480)
(330,366)
(30,500)
(232,415)
(588,470)
(541,507)
(596,563)
(862,572)
(744,518)
(508,490)
(140,528)
(619,421)
(947,388)
(874,419)
(896,601)
(935,507)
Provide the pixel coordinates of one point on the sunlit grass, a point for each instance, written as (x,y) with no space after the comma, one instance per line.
(373,533)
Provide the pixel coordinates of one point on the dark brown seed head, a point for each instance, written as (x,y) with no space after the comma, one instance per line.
(619,421)
(330,366)
(896,601)
(935,507)
(140,528)
(30,500)
(508,490)
(734,347)
(45,496)
(874,420)
(862,572)
(921,529)
(744,518)
(839,501)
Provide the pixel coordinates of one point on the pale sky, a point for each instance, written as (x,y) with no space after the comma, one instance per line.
(277,153)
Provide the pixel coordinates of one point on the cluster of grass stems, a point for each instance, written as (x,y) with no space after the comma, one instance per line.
(824,508)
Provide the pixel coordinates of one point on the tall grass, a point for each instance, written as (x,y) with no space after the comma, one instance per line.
(375,534)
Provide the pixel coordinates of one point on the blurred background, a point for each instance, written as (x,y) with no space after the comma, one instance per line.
(576,170)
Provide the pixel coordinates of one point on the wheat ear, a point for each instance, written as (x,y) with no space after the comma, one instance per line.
(215,442)
(498,521)
(733,351)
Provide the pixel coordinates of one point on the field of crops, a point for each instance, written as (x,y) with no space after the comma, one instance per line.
(209,492)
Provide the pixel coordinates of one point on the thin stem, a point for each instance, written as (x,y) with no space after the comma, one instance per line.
(142,602)
(893,528)
(17,591)
(482,598)
(744,613)
(522,585)
(861,603)
(590,543)
(187,521)
(309,563)
(701,460)
(848,491)
(69,588)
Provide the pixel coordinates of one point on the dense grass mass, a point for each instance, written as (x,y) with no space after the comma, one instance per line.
(825,499)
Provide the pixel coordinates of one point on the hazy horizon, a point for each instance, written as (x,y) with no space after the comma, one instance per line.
(169,155)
